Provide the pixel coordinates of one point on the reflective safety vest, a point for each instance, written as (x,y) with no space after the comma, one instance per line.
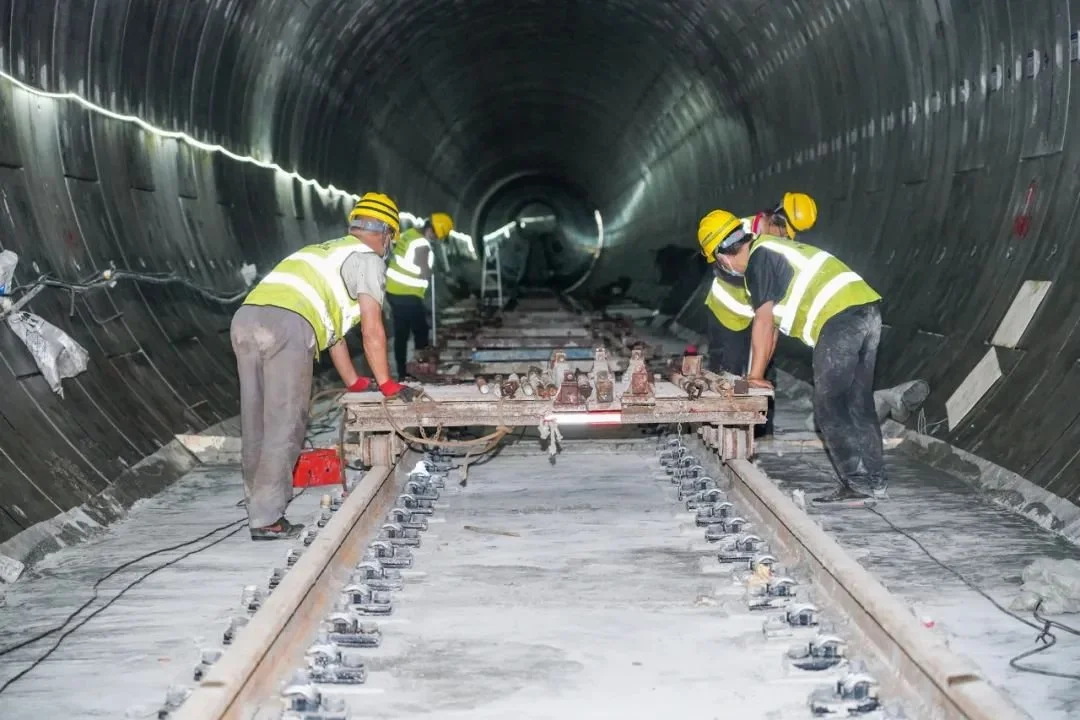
(730,304)
(403,274)
(309,283)
(820,287)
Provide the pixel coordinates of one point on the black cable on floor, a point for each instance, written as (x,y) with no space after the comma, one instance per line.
(1045,637)
(97,584)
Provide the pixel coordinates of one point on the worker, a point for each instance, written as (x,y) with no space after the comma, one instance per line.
(306,305)
(808,294)
(728,300)
(407,281)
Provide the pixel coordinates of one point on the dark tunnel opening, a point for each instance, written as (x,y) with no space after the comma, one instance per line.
(547,234)
(933,136)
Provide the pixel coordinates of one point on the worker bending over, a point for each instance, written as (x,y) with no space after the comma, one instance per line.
(407,281)
(728,300)
(808,294)
(303,306)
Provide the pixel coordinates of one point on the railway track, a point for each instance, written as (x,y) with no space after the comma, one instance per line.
(637,556)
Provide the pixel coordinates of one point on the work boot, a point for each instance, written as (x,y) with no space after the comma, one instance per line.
(843,495)
(282,529)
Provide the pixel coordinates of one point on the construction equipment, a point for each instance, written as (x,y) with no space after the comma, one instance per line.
(316,468)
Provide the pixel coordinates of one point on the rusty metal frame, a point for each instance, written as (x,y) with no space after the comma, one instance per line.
(364,414)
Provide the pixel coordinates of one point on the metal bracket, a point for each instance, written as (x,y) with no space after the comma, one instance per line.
(640,390)
(603,378)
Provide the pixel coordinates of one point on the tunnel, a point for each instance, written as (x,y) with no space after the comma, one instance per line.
(203,139)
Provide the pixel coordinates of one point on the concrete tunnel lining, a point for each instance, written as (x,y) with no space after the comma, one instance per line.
(934,138)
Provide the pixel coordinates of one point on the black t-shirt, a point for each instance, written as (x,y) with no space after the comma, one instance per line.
(768,275)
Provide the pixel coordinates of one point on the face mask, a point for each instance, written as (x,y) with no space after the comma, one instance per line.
(722,268)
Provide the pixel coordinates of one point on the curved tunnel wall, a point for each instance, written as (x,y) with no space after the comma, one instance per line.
(934,136)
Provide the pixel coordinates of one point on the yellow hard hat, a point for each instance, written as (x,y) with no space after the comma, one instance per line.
(800,210)
(378,207)
(442,224)
(713,229)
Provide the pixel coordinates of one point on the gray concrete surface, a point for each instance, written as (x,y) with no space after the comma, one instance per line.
(988,545)
(605,602)
(120,664)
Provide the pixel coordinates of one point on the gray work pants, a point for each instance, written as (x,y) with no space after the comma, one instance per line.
(844,361)
(274,351)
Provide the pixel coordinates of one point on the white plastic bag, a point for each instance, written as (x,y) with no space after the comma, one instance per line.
(56,354)
(8,261)
(1054,583)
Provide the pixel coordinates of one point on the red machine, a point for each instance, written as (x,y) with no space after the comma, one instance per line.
(315,468)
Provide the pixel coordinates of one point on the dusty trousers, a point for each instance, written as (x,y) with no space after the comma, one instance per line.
(410,317)
(844,360)
(729,351)
(274,351)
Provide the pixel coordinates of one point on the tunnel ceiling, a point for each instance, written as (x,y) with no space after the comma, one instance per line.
(934,136)
(589,90)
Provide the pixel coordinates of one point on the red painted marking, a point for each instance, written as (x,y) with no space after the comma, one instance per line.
(1022,221)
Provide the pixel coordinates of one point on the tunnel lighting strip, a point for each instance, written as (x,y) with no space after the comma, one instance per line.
(504,231)
(210,148)
(595,255)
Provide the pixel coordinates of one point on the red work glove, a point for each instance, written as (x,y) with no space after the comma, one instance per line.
(392,388)
(362,384)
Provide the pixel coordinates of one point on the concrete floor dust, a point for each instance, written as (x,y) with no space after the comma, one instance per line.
(986,544)
(120,663)
(597,606)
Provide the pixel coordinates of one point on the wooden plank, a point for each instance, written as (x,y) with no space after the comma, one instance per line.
(922,667)
(273,644)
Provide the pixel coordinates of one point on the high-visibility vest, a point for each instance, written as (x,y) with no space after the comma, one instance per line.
(403,274)
(730,304)
(309,283)
(821,286)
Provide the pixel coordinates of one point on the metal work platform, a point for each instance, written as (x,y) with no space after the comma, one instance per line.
(464,405)
(597,374)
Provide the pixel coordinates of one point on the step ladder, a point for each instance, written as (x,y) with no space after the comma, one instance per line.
(491,292)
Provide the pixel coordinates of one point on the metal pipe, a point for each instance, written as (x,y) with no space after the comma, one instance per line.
(434,321)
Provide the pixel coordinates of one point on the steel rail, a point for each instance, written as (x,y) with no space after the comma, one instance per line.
(249,674)
(919,666)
